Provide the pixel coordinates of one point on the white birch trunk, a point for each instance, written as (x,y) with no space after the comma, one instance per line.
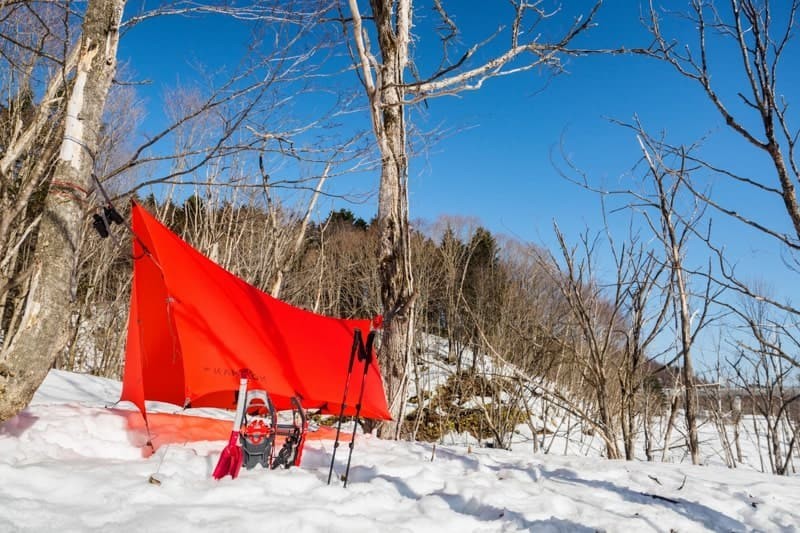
(43,333)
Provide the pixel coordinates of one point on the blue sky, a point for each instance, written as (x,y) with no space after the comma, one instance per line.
(498,163)
(501,168)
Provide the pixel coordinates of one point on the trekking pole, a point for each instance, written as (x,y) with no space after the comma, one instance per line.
(364,354)
(357,346)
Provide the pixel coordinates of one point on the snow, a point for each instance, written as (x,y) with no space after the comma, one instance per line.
(69,462)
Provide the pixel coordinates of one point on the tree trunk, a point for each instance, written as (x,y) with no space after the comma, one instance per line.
(394,247)
(44,331)
(690,403)
(673,411)
(628,427)
(609,435)
(648,439)
(386,92)
(736,421)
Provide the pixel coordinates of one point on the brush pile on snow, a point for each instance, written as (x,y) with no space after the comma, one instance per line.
(70,463)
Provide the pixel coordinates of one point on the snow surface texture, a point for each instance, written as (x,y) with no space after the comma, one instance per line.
(67,463)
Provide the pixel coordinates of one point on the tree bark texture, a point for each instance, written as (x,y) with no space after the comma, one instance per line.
(44,331)
(397,284)
(384,85)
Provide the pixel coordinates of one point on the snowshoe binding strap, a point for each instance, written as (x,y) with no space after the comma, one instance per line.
(291,452)
(257,432)
(302,423)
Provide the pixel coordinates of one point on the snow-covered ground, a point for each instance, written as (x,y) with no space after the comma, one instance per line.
(68,463)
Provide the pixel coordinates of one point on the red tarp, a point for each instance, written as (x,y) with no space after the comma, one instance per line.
(174,428)
(194,327)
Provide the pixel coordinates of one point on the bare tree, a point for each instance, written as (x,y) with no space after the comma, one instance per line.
(383,76)
(665,187)
(210,134)
(758,33)
(31,49)
(596,314)
(646,309)
(764,372)
(83,82)
(674,229)
(749,42)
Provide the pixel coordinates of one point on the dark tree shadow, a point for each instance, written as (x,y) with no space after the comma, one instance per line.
(473,508)
(490,513)
(708,517)
(701,514)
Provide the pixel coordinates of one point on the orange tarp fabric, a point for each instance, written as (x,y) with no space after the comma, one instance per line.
(194,327)
(174,428)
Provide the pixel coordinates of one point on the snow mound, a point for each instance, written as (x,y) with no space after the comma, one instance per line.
(70,463)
